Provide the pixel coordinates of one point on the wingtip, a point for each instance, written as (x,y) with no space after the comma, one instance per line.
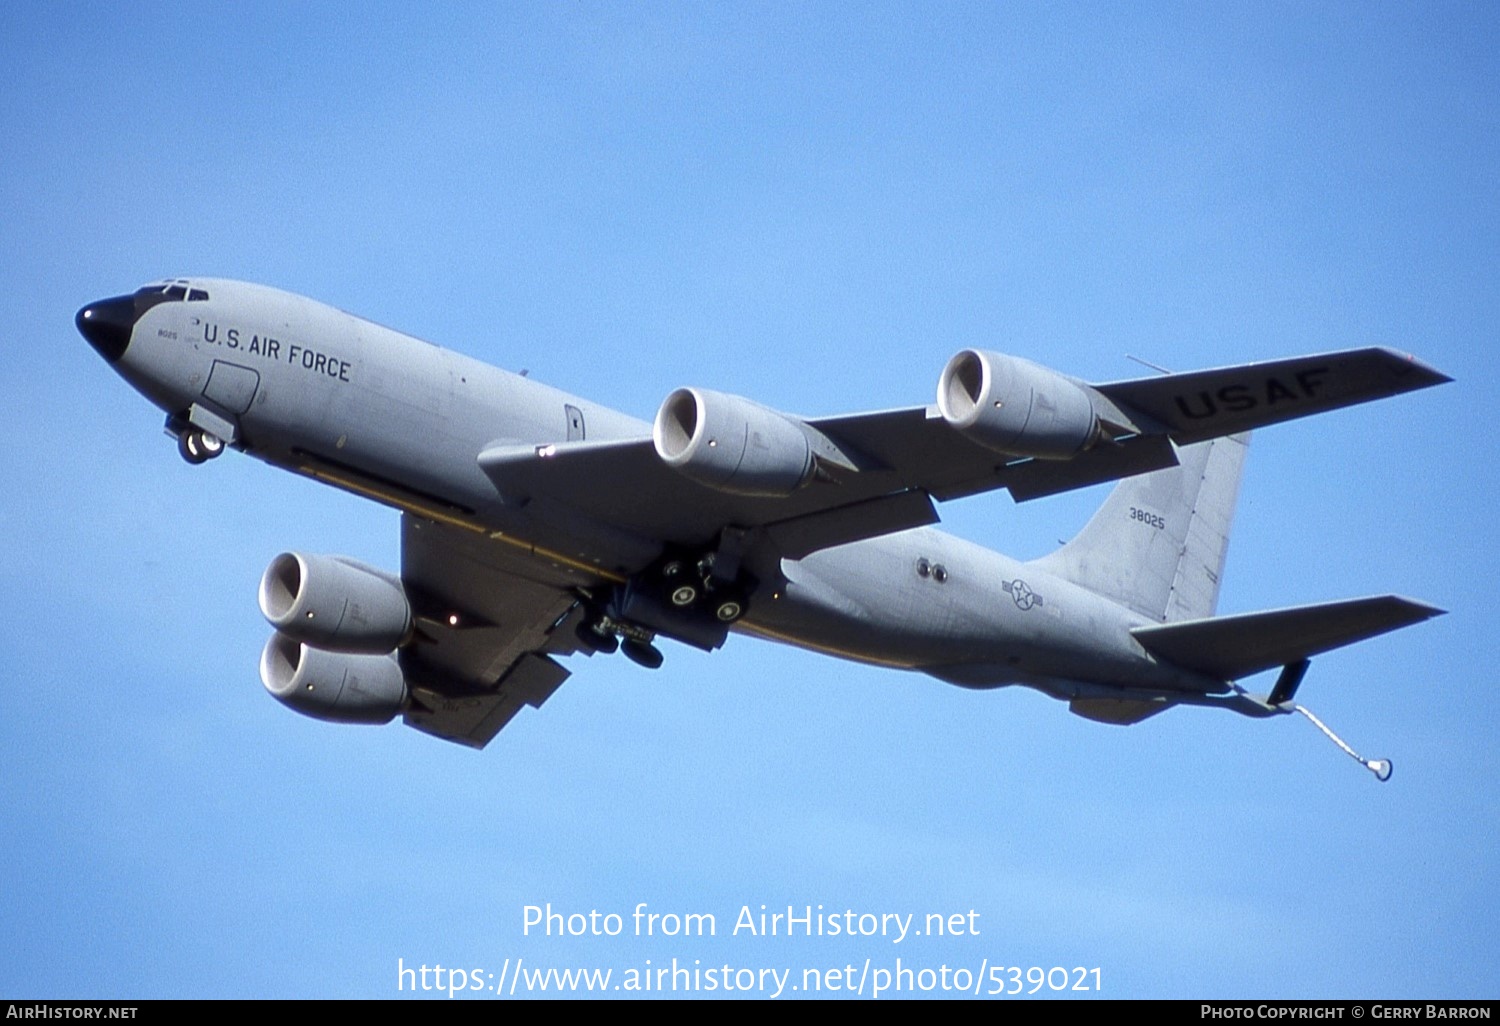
(1419,610)
(1418,373)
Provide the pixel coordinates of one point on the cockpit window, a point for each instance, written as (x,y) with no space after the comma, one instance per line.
(175,291)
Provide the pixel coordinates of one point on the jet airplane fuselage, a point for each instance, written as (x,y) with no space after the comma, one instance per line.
(309,388)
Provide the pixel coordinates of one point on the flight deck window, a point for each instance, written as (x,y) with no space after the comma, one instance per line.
(148,296)
(197,295)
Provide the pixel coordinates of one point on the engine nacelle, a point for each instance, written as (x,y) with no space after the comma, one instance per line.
(731,444)
(340,687)
(335,603)
(1017,407)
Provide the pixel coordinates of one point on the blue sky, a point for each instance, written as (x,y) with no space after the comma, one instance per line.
(815,206)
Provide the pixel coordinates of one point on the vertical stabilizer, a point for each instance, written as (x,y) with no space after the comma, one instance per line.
(1158,543)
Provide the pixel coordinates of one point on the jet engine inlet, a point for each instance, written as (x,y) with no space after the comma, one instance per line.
(732,445)
(1017,407)
(335,603)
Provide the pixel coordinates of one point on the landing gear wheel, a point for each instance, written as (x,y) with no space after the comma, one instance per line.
(642,653)
(188,449)
(198,446)
(684,595)
(729,609)
(596,640)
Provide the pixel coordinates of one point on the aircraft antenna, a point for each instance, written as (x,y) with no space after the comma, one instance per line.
(1147,363)
(1380,767)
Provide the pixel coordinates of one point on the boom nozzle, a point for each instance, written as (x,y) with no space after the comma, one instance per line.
(1380,767)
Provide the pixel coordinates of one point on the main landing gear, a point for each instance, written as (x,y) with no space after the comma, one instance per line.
(680,596)
(596,633)
(642,653)
(604,634)
(690,583)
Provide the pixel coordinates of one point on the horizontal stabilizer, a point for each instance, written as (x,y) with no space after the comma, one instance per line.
(1231,647)
(1207,404)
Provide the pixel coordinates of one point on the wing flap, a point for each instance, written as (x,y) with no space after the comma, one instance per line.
(1139,454)
(1231,647)
(491,616)
(800,536)
(475,719)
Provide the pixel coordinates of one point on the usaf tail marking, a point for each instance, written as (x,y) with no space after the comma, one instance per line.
(1240,398)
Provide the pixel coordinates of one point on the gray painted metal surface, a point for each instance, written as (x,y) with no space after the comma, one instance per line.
(538,526)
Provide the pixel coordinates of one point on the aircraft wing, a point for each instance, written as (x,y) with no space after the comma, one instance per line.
(489,622)
(889,464)
(905,457)
(1208,404)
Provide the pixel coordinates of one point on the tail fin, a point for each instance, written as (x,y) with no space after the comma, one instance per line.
(1158,543)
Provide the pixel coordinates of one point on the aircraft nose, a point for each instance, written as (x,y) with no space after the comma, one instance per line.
(107,325)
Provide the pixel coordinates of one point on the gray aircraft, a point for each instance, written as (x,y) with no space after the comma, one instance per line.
(537,525)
